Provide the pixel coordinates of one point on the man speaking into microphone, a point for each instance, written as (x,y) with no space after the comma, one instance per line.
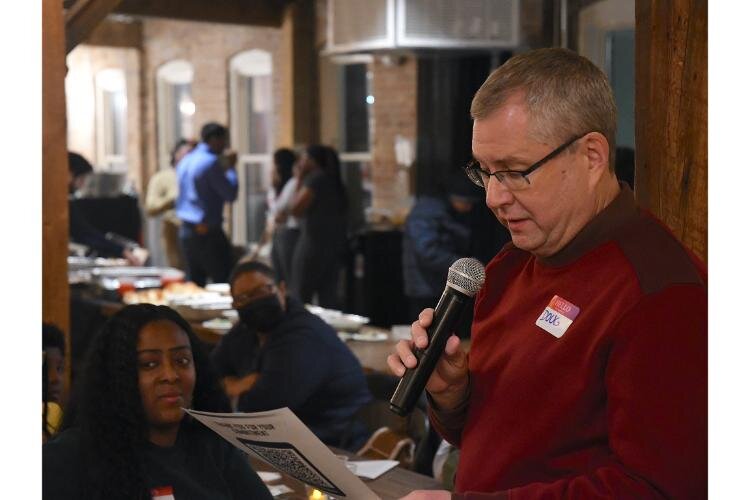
(588,369)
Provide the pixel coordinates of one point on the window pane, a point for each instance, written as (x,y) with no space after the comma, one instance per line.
(175,106)
(251,121)
(355,131)
(183,109)
(256,174)
(258,113)
(118,124)
(111,118)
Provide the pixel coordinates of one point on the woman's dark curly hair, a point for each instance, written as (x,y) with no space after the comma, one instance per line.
(110,415)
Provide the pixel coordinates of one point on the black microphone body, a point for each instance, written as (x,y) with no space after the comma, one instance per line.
(444,321)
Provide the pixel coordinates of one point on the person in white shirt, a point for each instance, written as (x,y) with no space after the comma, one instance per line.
(281,226)
(161,195)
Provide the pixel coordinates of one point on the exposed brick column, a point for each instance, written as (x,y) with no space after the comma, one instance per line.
(394,86)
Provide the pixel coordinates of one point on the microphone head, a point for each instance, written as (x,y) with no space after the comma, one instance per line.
(466,275)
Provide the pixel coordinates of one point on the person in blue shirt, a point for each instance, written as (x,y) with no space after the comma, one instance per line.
(206,181)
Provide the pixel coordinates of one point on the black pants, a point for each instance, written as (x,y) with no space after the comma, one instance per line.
(315,271)
(282,249)
(207,255)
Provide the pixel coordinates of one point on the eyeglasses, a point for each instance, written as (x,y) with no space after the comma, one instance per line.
(244,299)
(515,180)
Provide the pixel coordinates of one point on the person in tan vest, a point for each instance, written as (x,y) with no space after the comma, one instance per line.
(160,198)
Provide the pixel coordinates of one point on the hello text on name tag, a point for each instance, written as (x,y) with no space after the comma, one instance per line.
(557,316)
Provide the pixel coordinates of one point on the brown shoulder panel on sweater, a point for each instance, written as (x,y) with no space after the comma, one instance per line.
(658,258)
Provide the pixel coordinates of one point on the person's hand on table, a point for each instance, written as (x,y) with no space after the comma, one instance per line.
(428,495)
(449,382)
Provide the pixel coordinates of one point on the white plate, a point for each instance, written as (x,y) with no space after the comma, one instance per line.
(339,320)
(222,325)
(344,336)
(370,336)
(222,288)
(232,314)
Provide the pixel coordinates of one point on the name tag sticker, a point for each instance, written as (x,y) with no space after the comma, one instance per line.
(557,316)
(162,493)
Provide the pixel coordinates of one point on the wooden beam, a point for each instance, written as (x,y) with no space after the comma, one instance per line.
(111,33)
(254,13)
(300,109)
(83,17)
(55,293)
(671,114)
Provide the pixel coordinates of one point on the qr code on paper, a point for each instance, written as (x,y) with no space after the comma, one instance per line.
(287,458)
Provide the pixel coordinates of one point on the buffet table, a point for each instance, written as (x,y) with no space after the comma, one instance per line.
(101,287)
(371,345)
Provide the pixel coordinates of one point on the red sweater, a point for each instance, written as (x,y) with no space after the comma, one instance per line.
(616,407)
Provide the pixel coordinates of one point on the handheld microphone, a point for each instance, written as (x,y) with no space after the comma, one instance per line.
(465,278)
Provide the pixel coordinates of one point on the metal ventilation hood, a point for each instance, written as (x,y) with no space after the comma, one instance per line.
(372,25)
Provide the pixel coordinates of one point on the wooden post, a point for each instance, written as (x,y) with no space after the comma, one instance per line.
(55,294)
(299,111)
(255,13)
(671,112)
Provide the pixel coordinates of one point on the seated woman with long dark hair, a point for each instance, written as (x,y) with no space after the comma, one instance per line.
(130,438)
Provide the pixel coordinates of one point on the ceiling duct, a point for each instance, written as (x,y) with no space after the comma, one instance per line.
(370,25)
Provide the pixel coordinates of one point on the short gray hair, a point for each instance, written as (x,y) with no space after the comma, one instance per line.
(566,95)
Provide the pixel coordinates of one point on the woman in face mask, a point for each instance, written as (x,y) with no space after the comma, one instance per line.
(279,354)
(259,302)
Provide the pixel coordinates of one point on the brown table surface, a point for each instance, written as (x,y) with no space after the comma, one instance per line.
(394,484)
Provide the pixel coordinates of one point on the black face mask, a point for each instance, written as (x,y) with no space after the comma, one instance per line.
(262,314)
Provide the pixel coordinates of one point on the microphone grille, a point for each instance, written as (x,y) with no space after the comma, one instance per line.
(466,275)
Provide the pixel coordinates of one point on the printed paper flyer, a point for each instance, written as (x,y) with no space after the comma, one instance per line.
(280,439)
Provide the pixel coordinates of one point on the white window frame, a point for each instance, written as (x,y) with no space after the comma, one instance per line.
(360,156)
(247,64)
(174,72)
(110,80)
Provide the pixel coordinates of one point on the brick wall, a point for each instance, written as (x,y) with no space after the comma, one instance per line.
(84,62)
(208,47)
(394,83)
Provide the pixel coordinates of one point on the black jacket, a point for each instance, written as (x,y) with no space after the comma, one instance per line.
(304,366)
